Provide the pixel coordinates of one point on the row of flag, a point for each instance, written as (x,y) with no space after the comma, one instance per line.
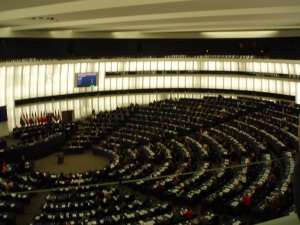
(44,118)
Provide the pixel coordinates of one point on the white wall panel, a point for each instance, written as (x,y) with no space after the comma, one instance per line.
(285,69)
(219,65)
(120,67)
(101,77)
(3,74)
(113,102)
(146,99)
(140,66)
(133,66)
(108,67)
(120,85)
(271,67)
(292,88)
(188,81)
(256,67)
(212,65)
(64,79)
(279,88)
(297,69)
(291,68)
(181,65)
(242,66)
(196,65)
(71,78)
(125,101)
(113,83)
(126,66)
(139,99)
(278,68)
(9,101)
(264,67)
(203,65)
(132,99)
(249,67)
(119,101)
(298,93)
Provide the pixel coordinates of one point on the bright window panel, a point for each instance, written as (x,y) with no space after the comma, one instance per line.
(298,93)
(114,67)
(26,83)
(95,105)
(113,83)
(77,68)
(242,66)
(125,101)
(64,79)
(56,79)
(126,66)
(139,83)
(153,82)
(197,82)
(264,67)
(101,104)
(3,74)
(227,82)
(181,83)
(120,67)
(132,66)
(83,68)
(90,67)
(286,87)
(174,80)
(168,65)
(71,78)
(220,82)
(212,65)
(147,66)
(234,66)
(140,66)
(204,82)
(285,69)
(278,68)
(271,68)
(152,97)
(188,81)
(256,67)
(291,68)
(297,69)
(17,81)
(119,100)
(120,85)
(146,99)
(227,66)
(212,82)
(167,83)
(139,99)
(161,65)
(102,77)
(292,88)
(160,81)
(197,65)
(204,65)
(250,86)
(265,85)
(189,65)
(279,89)
(33,81)
(113,102)
(272,86)
(146,82)
(108,66)
(107,103)
(219,65)
(181,65)
(132,99)
(175,65)
(89,106)
(242,83)
(154,66)
(132,82)
(257,84)
(249,67)
(107,84)
(235,83)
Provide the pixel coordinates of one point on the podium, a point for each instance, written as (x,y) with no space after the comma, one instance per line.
(60,157)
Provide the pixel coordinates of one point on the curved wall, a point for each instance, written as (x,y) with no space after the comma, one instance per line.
(36,79)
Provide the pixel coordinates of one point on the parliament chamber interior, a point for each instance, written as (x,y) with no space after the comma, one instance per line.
(164,126)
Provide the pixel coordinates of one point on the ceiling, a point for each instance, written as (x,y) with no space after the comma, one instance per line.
(149,18)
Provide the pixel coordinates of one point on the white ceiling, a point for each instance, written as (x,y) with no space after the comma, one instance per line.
(149,18)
